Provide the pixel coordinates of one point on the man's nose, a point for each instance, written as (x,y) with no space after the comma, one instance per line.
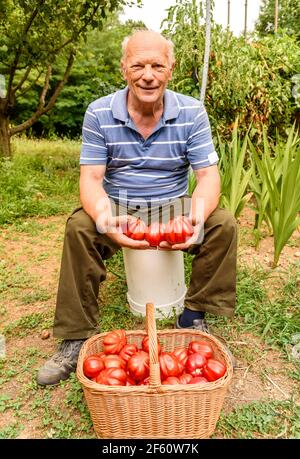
(148,72)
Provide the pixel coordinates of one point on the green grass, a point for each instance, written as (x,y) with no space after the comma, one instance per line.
(267,419)
(24,326)
(41,179)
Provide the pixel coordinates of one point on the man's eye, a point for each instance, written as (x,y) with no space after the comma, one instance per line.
(136,67)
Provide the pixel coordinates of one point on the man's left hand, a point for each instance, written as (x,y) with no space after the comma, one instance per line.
(196,238)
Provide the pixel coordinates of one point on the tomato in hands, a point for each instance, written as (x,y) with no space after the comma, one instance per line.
(155,234)
(136,230)
(178,230)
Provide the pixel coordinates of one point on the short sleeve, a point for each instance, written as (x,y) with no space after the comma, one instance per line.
(93,149)
(200,148)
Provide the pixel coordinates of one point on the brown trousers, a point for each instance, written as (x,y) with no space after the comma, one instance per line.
(212,285)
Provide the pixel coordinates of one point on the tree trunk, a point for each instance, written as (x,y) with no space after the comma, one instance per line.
(228,14)
(4,131)
(276,17)
(207,50)
(246,19)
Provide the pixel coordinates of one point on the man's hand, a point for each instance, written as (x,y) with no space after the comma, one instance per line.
(113,227)
(196,238)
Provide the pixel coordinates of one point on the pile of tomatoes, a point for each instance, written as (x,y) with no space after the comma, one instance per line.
(176,231)
(124,364)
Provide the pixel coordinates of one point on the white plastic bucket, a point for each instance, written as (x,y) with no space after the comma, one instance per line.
(155,276)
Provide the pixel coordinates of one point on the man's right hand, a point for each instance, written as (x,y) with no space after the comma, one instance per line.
(113,227)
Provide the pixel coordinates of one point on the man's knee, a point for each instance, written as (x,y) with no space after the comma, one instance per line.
(80,222)
(228,222)
(225,221)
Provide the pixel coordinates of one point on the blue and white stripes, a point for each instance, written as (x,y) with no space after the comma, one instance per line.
(153,169)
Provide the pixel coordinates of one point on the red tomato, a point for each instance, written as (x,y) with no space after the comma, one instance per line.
(169,365)
(172,380)
(145,345)
(92,366)
(195,363)
(112,377)
(144,382)
(114,361)
(185,378)
(114,341)
(128,351)
(182,354)
(178,230)
(101,355)
(197,380)
(138,366)
(130,381)
(202,347)
(214,369)
(155,234)
(136,230)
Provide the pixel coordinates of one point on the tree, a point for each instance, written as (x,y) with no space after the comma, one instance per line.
(34,35)
(95,73)
(288,17)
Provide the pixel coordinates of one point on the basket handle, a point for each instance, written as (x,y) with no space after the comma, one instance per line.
(154,381)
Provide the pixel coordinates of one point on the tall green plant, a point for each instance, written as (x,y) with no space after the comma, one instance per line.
(280,174)
(235,175)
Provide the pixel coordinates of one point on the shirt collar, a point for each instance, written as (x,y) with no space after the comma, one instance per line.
(120,112)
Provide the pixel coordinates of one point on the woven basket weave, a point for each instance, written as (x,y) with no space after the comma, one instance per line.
(155,411)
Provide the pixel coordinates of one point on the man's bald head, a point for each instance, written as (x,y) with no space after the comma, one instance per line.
(148,38)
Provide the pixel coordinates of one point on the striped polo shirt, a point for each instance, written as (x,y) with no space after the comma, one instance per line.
(154,170)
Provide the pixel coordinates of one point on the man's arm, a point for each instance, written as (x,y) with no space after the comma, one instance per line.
(96,204)
(92,194)
(205,199)
(206,195)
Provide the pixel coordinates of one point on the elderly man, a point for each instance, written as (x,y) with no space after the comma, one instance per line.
(138,145)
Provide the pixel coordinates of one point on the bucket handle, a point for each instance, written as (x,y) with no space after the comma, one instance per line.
(155,381)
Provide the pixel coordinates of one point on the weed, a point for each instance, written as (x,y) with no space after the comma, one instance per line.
(26,324)
(273,419)
(11,431)
(43,182)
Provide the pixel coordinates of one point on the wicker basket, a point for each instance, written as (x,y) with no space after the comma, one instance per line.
(155,411)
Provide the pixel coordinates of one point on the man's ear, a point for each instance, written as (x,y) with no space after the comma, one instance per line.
(123,69)
(172,69)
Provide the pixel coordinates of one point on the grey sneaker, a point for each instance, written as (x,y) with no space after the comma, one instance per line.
(198,324)
(61,364)
(201,324)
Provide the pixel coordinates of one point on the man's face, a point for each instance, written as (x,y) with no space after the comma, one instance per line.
(147,69)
